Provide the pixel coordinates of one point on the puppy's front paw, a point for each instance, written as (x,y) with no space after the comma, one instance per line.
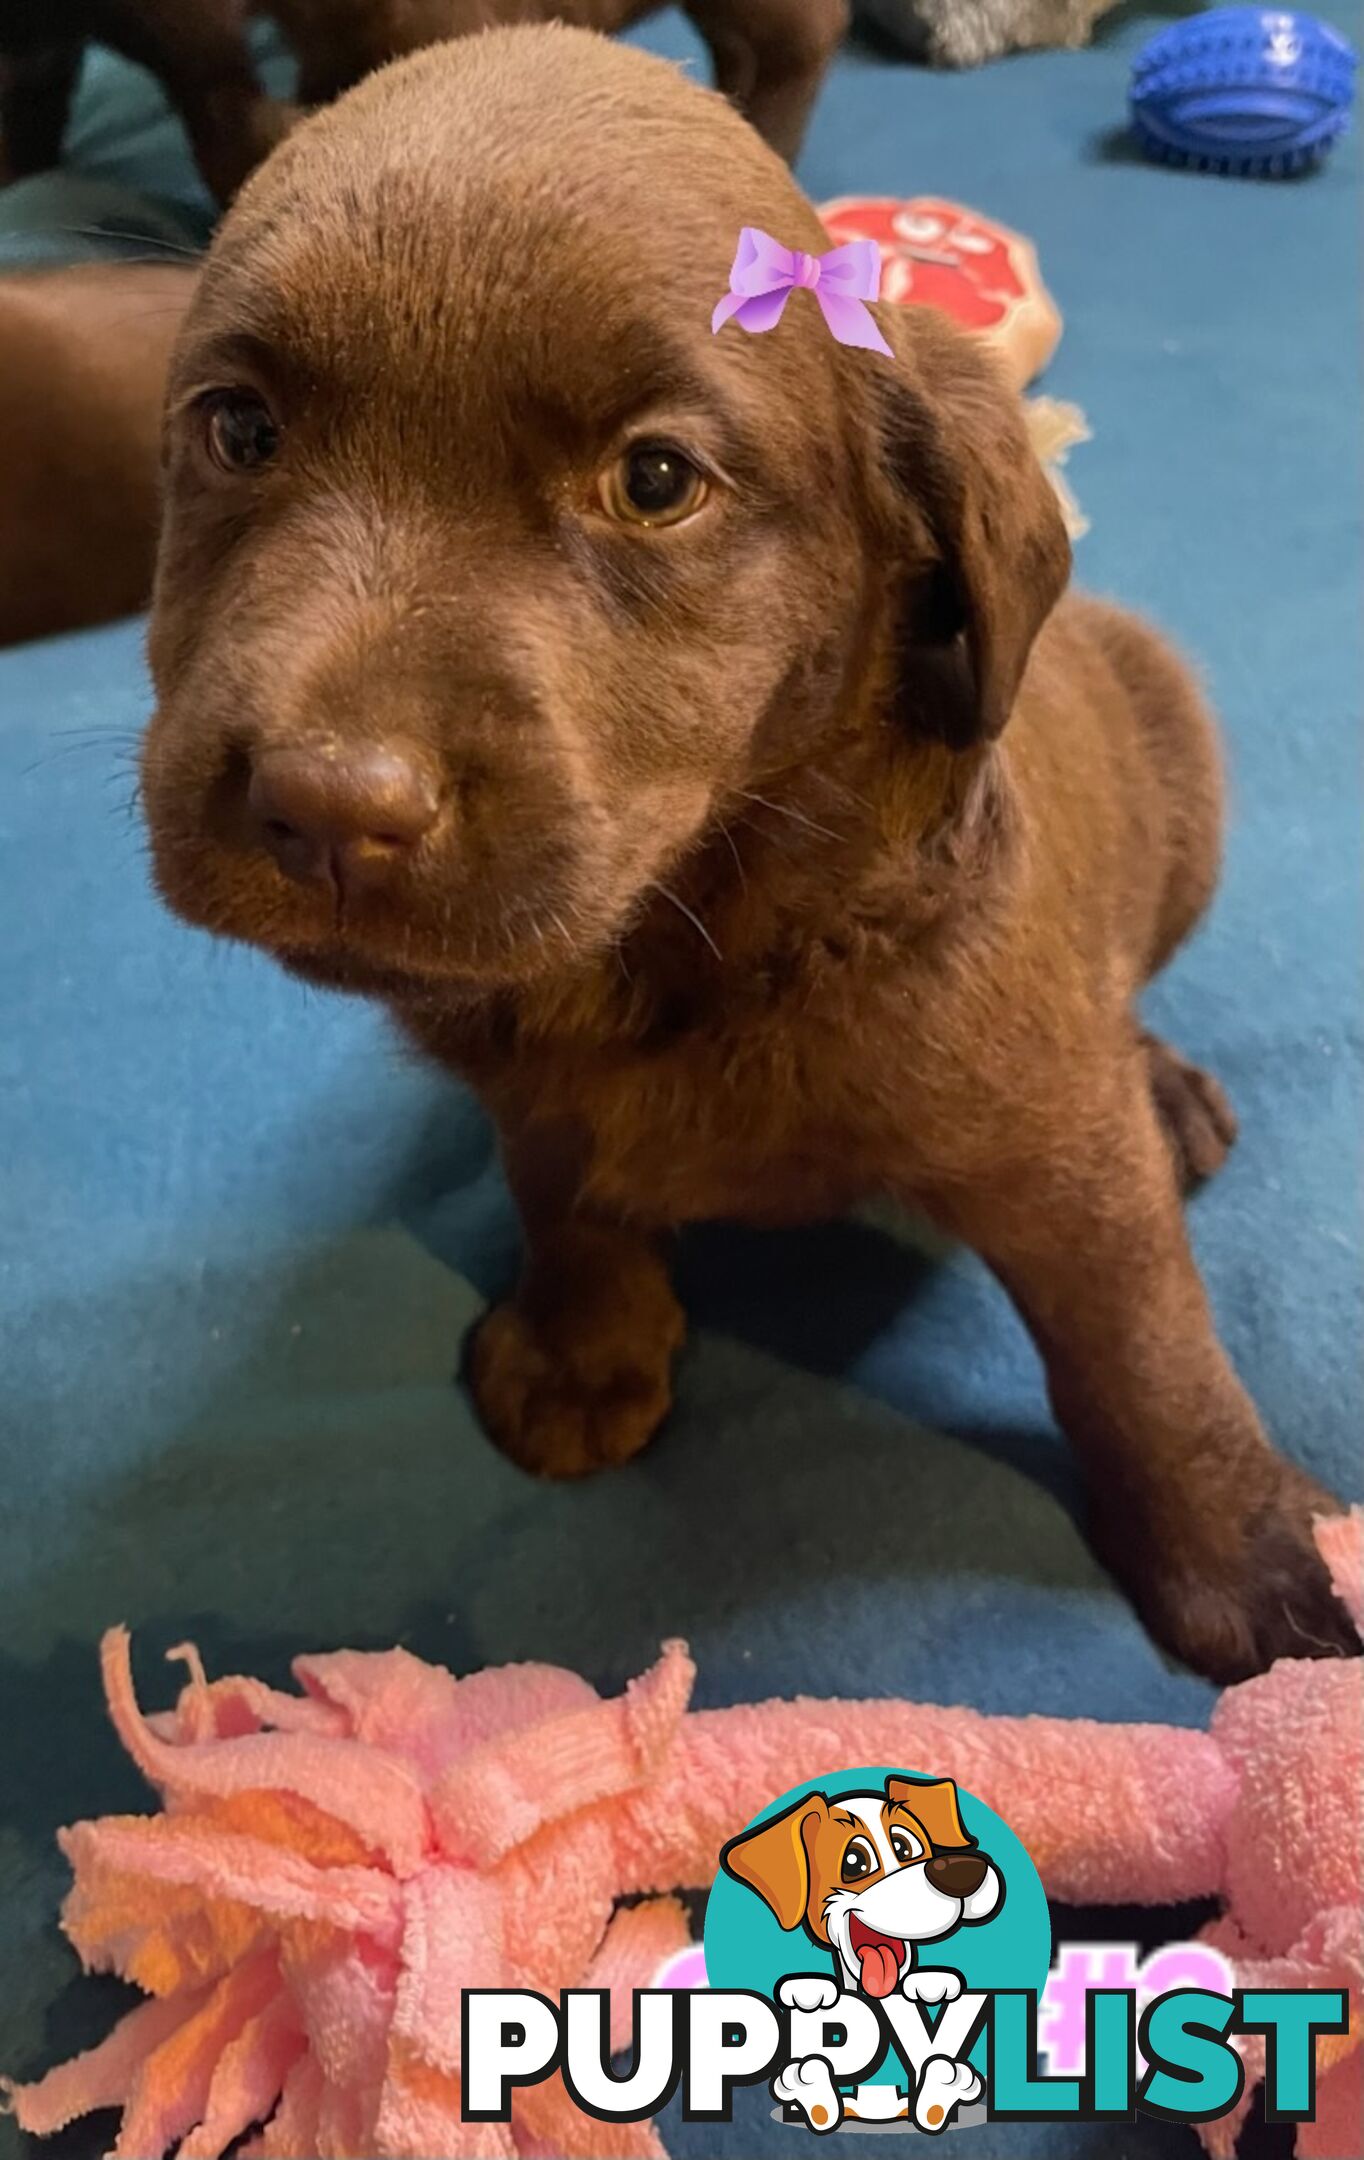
(933,1985)
(944,2086)
(556,1414)
(808,1991)
(808,2086)
(1230,1582)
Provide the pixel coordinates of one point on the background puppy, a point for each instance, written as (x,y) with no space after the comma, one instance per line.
(687,738)
(962,33)
(769,56)
(82,355)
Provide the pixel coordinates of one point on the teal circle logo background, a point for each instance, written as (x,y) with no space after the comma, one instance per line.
(745,1947)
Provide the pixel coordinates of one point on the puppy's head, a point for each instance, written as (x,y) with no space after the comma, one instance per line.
(870,1874)
(489,576)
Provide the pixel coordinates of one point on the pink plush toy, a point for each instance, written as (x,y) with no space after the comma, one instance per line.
(332,1869)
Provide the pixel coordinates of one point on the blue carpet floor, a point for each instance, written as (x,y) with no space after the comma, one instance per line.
(241,1235)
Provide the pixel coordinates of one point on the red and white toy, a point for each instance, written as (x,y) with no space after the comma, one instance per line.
(939,254)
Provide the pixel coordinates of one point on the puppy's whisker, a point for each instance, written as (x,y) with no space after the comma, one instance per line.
(837,785)
(64,750)
(728,838)
(1328,1649)
(147,314)
(774,840)
(146,240)
(797,817)
(833,784)
(683,909)
(102,731)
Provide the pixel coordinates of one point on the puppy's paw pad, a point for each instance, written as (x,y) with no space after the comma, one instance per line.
(807,2085)
(808,1991)
(944,2086)
(931,1986)
(547,1416)
(1195,1111)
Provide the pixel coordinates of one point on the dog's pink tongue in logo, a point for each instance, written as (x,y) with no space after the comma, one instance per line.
(879,1956)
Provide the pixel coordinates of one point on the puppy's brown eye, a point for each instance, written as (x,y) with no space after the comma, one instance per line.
(652,484)
(905,1846)
(241,430)
(858,1861)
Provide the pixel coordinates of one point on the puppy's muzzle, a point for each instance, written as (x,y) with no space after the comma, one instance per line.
(956,1874)
(345,816)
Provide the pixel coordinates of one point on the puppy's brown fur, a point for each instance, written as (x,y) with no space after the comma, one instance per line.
(83,357)
(744,899)
(768,55)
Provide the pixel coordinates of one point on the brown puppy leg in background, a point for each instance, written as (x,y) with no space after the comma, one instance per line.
(83,357)
(770,57)
(339,41)
(198,50)
(36,89)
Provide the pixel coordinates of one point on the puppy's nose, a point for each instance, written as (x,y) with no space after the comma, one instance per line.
(955,1874)
(349,815)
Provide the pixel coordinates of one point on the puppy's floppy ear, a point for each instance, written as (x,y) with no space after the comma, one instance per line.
(936,1807)
(774,1860)
(982,541)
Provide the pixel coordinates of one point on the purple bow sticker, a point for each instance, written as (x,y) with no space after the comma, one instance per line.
(764,274)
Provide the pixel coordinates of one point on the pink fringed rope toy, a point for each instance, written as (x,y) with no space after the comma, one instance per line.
(332,1869)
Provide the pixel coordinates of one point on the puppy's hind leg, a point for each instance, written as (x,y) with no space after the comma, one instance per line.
(770,57)
(1194,1111)
(1181,754)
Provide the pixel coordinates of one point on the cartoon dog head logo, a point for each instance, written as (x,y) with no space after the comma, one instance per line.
(870,1876)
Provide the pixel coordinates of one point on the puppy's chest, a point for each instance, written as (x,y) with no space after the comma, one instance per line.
(776,1120)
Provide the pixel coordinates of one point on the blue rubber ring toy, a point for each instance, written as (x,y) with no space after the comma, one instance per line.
(1248,90)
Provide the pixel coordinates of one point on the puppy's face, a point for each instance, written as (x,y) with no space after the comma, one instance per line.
(489,577)
(870,1875)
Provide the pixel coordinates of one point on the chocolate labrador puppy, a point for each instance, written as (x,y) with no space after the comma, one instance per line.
(768,55)
(689,739)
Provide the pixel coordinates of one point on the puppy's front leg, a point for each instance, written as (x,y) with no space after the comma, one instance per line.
(1205,1524)
(575,1371)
